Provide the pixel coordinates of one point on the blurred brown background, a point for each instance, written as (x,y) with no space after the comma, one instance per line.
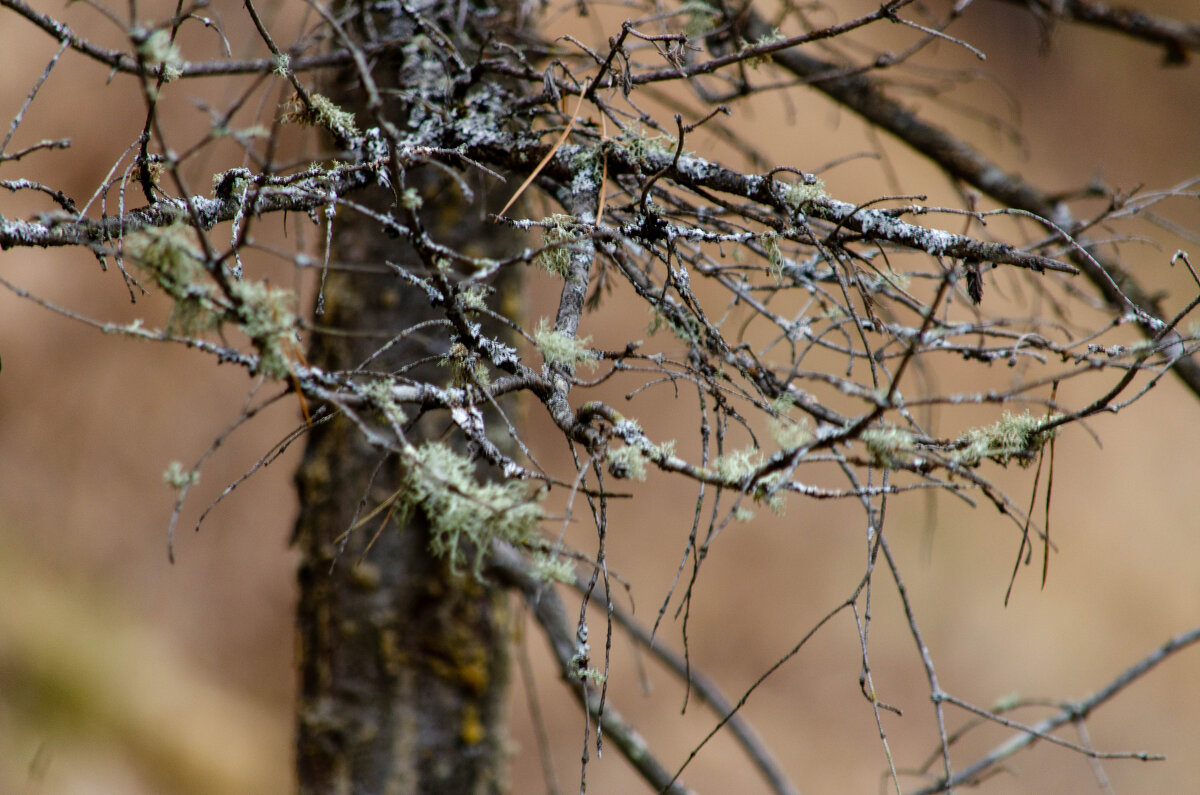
(180,675)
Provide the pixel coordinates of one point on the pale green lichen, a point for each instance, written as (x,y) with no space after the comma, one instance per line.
(834,313)
(158,49)
(701,18)
(176,477)
(688,331)
(797,196)
(587,166)
(555,256)
(770,244)
(1017,436)
(638,143)
(549,568)
(734,466)
(627,425)
(785,431)
(474,298)
(593,676)
(627,461)
(230,182)
(464,515)
(322,112)
(560,349)
(900,281)
(660,452)
(283,64)
(1143,349)
(769,491)
(170,256)
(266,316)
(410,199)
(889,446)
(771,37)
(468,368)
(136,329)
(743,514)
(382,397)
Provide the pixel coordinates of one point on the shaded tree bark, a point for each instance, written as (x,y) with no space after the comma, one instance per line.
(403,663)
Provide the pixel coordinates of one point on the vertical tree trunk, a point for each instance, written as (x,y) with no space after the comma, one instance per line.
(402,664)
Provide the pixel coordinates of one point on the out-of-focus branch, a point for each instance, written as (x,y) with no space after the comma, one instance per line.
(507,565)
(710,694)
(1070,712)
(863,95)
(1178,39)
(127,63)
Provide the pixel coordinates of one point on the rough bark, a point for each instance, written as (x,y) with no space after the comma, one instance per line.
(402,663)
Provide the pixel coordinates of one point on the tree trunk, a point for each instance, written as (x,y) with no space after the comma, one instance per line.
(402,663)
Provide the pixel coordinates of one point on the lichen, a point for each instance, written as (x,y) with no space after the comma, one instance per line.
(743,514)
(176,477)
(638,143)
(555,256)
(322,112)
(770,37)
(380,393)
(660,452)
(266,316)
(463,513)
(560,349)
(550,568)
(785,431)
(626,461)
(689,330)
(158,49)
(592,676)
(888,446)
(769,492)
(1016,436)
(410,199)
(799,195)
(734,466)
(900,281)
(474,298)
(468,368)
(770,242)
(170,256)
(701,18)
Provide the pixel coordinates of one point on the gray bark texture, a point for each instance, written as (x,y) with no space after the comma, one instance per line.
(402,663)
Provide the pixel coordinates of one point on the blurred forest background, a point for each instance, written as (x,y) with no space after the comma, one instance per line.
(122,673)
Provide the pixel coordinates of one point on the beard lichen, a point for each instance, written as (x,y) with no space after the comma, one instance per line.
(464,514)
(734,466)
(169,255)
(786,432)
(889,447)
(561,349)
(265,314)
(555,255)
(1017,436)
(626,461)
